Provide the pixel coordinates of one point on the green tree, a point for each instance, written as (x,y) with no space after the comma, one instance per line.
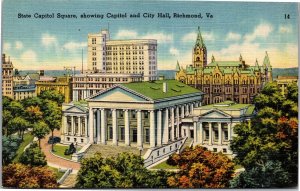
(200,168)
(16,108)
(32,101)
(10,146)
(52,116)
(33,114)
(270,143)
(53,96)
(125,171)
(17,175)
(6,101)
(18,124)
(33,156)
(40,130)
(6,118)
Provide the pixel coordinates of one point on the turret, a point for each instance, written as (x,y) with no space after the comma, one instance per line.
(267,68)
(199,52)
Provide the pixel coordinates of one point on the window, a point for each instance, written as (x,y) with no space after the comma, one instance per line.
(206,134)
(226,135)
(216,135)
(224,150)
(81,140)
(215,149)
(110,133)
(68,138)
(93,40)
(121,113)
(122,137)
(133,114)
(147,135)
(146,115)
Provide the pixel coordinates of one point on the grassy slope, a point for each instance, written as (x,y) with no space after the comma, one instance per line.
(27,139)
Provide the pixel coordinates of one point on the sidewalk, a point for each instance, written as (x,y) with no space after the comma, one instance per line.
(54,161)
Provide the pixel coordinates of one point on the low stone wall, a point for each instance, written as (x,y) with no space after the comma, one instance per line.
(66,174)
(157,154)
(78,155)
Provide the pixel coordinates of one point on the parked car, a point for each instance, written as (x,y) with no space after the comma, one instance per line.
(53,140)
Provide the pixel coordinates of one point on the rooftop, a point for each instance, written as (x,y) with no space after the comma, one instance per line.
(154,89)
(226,105)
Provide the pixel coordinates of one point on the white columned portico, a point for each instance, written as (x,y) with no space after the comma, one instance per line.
(139,129)
(192,108)
(159,127)
(219,134)
(195,132)
(166,126)
(182,111)
(103,126)
(98,126)
(65,124)
(152,129)
(210,134)
(115,125)
(201,133)
(72,125)
(127,128)
(85,127)
(229,131)
(177,122)
(186,110)
(172,123)
(79,126)
(91,128)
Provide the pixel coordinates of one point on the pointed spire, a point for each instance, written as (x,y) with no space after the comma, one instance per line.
(213,58)
(256,65)
(266,61)
(177,66)
(199,41)
(241,58)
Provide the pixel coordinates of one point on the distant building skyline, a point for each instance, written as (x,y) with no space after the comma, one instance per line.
(249,29)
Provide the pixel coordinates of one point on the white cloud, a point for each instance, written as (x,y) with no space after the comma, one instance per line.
(72,46)
(29,57)
(208,36)
(6,47)
(19,45)
(285,29)
(126,34)
(261,31)
(174,51)
(159,36)
(233,36)
(49,40)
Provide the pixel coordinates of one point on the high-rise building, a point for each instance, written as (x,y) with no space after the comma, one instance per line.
(7,77)
(224,80)
(136,56)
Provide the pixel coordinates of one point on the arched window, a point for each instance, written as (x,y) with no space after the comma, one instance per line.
(197,59)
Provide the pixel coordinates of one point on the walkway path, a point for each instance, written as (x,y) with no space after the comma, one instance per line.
(53,160)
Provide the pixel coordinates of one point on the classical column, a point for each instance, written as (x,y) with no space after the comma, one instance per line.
(159,127)
(95,124)
(210,134)
(195,132)
(166,126)
(186,110)
(86,126)
(91,131)
(72,125)
(152,129)
(139,129)
(79,126)
(103,126)
(201,133)
(127,128)
(196,104)
(98,126)
(177,122)
(220,133)
(229,131)
(192,108)
(64,130)
(182,111)
(115,125)
(172,123)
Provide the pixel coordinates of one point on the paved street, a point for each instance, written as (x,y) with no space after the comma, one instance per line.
(53,160)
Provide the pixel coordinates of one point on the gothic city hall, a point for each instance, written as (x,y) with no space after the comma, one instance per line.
(224,80)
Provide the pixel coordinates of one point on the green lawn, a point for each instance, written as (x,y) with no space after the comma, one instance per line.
(164,165)
(238,166)
(27,139)
(55,170)
(60,150)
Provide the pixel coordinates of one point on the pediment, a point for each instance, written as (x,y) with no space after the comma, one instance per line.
(118,94)
(215,113)
(75,109)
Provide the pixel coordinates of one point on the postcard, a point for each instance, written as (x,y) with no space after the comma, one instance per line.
(149,94)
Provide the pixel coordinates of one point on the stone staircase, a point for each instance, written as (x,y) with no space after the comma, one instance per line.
(111,150)
(186,144)
(69,182)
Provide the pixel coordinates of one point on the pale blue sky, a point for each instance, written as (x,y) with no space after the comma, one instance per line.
(246,28)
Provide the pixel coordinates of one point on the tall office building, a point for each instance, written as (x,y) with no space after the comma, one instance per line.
(7,77)
(136,56)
